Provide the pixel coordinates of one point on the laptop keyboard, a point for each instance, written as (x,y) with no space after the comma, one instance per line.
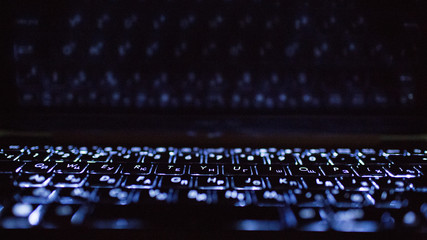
(364,190)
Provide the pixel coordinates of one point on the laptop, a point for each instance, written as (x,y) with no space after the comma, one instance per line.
(151,119)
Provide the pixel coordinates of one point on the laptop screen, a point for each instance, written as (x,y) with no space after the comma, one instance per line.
(277,57)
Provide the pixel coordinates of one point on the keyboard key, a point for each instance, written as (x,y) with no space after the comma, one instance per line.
(75,195)
(136,169)
(103,168)
(402,171)
(163,157)
(38,167)
(63,215)
(301,171)
(315,159)
(355,184)
(188,158)
(233,198)
(351,199)
(237,170)
(320,183)
(176,182)
(213,158)
(70,168)
(374,160)
(344,159)
(93,158)
(194,197)
(270,198)
(307,198)
(30,157)
(68,180)
(250,159)
(103,181)
(337,171)
(153,196)
(126,158)
(38,195)
(282,183)
(163,169)
(408,160)
(249,183)
(390,184)
(115,196)
(212,182)
(144,182)
(287,159)
(33,180)
(204,170)
(369,171)
(311,219)
(270,170)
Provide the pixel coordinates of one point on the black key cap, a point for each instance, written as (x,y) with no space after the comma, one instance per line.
(234,198)
(33,180)
(320,183)
(287,159)
(285,182)
(142,181)
(188,158)
(408,160)
(115,196)
(402,171)
(204,170)
(9,157)
(311,219)
(249,183)
(163,157)
(10,167)
(374,160)
(38,195)
(237,170)
(194,197)
(126,158)
(59,215)
(389,199)
(73,168)
(63,157)
(136,169)
(21,216)
(337,171)
(103,168)
(75,195)
(175,182)
(68,180)
(300,171)
(38,167)
(219,158)
(351,199)
(307,198)
(344,159)
(37,157)
(390,184)
(369,171)
(212,182)
(315,159)
(418,184)
(355,184)
(103,181)
(153,196)
(164,169)
(250,159)
(93,158)
(270,170)
(270,198)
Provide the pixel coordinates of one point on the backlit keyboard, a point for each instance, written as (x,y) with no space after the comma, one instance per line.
(343,189)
